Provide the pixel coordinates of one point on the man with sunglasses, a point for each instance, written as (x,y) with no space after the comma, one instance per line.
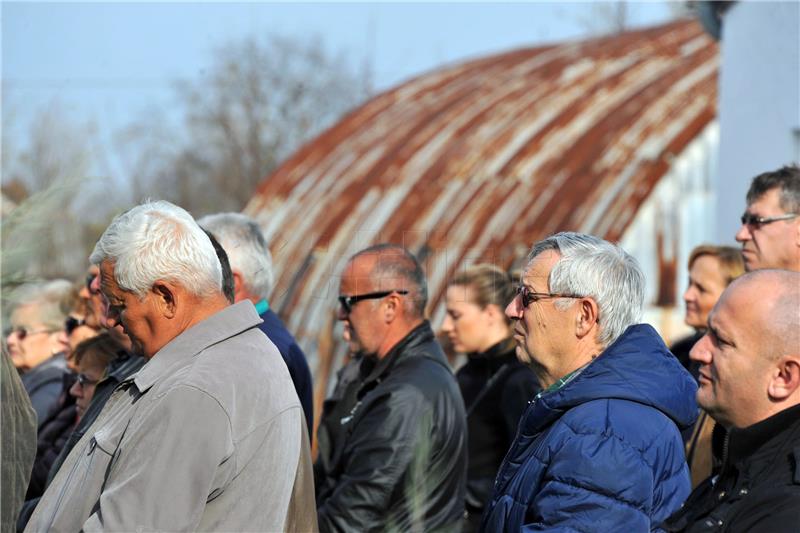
(770,231)
(392,439)
(599,448)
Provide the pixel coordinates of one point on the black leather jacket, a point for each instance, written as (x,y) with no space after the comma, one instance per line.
(393,443)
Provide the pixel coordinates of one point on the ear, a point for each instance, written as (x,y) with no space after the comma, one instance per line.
(238,286)
(392,308)
(785,379)
(586,318)
(494,315)
(165,297)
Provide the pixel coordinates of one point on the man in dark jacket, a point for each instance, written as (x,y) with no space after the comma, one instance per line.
(251,264)
(599,449)
(392,443)
(750,384)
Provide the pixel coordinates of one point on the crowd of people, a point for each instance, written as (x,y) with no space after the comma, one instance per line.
(163,393)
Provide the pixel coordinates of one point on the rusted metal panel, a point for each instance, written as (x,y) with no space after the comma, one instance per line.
(476,161)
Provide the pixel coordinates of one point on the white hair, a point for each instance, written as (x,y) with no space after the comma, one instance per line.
(248,253)
(48,298)
(590,266)
(159,241)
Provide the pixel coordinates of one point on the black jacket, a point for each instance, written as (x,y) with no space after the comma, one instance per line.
(393,444)
(758,487)
(496,389)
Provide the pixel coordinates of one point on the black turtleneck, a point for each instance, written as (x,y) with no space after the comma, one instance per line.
(496,388)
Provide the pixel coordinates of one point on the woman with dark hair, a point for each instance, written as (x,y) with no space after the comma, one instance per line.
(495,386)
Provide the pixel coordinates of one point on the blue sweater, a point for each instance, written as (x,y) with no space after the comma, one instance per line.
(295,360)
(604,452)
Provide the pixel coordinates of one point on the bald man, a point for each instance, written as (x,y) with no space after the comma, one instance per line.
(392,440)
(750,384)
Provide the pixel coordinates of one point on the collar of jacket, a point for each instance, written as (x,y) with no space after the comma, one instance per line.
(496,356)
(636,367)
(220,326)
(404,350)
(745,442)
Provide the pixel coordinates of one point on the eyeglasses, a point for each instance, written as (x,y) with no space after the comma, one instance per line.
(347,302)
(71,324)
(749,219)
(528,296)
(84,381)
(23,332)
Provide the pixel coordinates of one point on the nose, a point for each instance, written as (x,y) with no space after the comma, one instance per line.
(688,295)
(447,325)
(341,314)
(513,309)
(701,351)
(76,390)
(743,235)
(12,338)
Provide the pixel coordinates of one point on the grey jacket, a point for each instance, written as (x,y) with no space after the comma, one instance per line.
(208,436)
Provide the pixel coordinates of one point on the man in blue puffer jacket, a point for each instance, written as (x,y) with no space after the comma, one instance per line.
(599,449)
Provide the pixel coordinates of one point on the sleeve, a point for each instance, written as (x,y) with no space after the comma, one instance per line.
(378,455)
(520,387)
(167,467)
(594,482)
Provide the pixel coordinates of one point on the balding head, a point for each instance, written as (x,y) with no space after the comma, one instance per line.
(751,353)
(382,298)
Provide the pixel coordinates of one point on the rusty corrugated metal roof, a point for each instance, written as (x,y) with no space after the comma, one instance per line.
(475,162)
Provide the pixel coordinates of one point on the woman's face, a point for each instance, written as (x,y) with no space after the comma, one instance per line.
(30,342)
(466,324)
(83,388)
(706,284)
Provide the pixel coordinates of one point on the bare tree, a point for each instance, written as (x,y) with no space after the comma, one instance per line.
(255,104)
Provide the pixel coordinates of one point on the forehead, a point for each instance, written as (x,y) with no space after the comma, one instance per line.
(537,273)
(108,284)
(356,274)
(459,294)
(768,203)
(25,315)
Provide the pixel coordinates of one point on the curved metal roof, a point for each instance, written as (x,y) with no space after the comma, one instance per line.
(476,161)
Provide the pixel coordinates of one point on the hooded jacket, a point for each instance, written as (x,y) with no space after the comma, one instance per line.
(603,452)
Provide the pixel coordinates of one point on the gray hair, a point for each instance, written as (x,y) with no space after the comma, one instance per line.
(48,297)
(247,250)
(590,266)
(159,240)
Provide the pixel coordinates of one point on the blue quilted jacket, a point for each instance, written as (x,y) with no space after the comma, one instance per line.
(604,452)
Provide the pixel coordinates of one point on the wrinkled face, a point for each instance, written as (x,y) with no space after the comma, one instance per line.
(89,374)
(30,341)
(706,283)
(466,324)
(734,376)
(772,245)
(141,320)
(364,329)
(545,335)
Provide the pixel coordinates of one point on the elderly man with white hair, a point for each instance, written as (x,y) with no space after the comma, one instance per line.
(194,440)
(600,448)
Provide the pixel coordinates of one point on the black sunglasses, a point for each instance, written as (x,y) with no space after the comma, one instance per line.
(749,219)
(347,302)
(71,324)
(528,296)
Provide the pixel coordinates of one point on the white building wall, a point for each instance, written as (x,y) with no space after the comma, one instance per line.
(681,208)
(759,108)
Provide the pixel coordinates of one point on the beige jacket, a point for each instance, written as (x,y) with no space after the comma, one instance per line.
(208,436)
